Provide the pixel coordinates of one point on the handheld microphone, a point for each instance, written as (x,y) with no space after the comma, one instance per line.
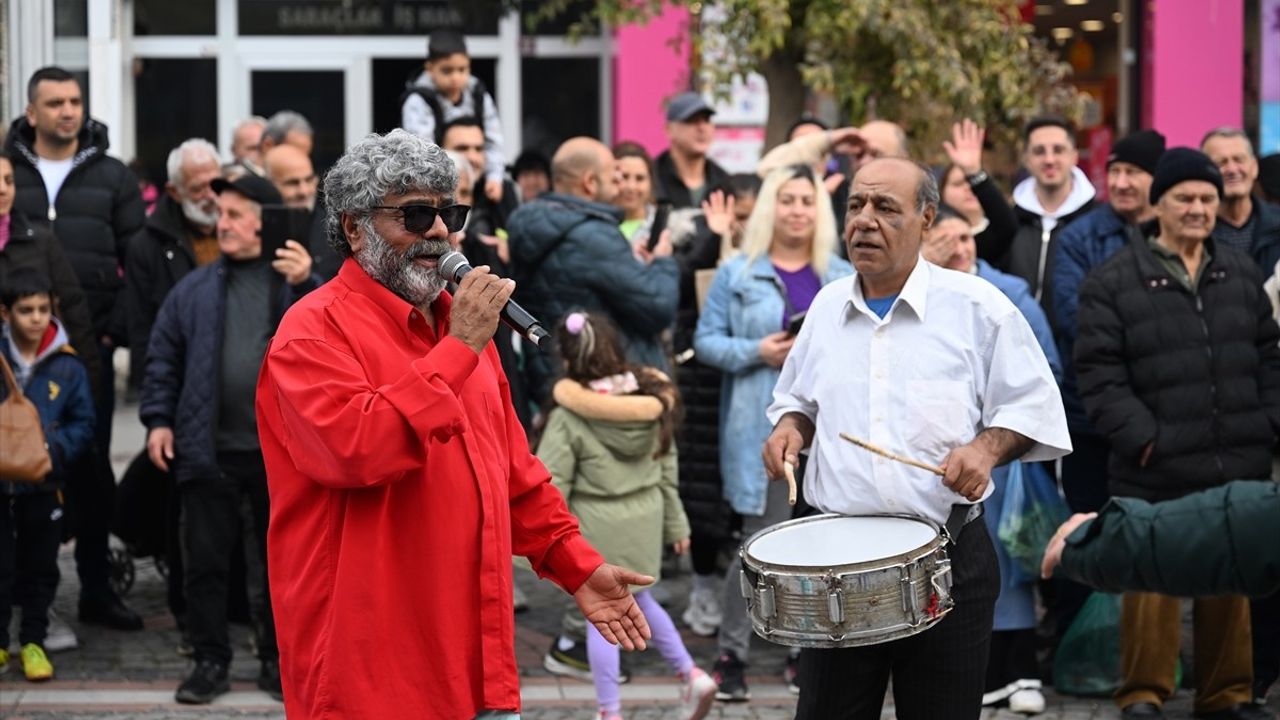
(453,265)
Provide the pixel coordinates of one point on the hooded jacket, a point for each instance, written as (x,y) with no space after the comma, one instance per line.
(97,211)
(1032,254)
(57,384)
(600,451)
(568,254)
(34,247)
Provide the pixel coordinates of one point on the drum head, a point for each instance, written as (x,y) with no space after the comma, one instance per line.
(831,541)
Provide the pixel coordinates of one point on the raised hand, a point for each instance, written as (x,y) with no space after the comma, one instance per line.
(718,211)
(965,146)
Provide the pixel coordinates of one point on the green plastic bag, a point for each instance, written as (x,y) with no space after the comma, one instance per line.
(1087,662)
(1088,658)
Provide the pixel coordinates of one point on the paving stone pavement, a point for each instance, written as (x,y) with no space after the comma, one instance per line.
(133,675)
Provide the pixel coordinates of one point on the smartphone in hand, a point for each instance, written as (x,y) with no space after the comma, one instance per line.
(660,216)
(794,322)
(280,223)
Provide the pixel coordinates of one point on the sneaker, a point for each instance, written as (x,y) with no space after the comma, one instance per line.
(703,615)
(697,695)
(791,673)
(570,663)
(35,665)
(59,636)
(607,715)
(207,681)
(269,680)
(1028,701)
(728,674)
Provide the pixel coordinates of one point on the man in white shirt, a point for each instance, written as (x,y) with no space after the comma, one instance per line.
(932,364)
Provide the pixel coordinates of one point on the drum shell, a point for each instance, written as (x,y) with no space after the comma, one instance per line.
(875,602)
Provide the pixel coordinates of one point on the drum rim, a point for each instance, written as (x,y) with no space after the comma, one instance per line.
(897,560)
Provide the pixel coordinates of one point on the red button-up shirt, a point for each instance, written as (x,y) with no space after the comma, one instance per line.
(401,483)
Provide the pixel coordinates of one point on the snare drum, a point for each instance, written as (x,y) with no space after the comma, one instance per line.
(840,581)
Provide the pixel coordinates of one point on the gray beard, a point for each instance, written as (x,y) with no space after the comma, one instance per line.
(396,271)
(197,215)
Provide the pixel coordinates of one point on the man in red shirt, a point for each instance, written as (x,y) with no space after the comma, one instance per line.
(401,482)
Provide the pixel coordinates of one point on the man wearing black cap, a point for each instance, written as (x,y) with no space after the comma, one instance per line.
(1245,222)
(1178,361)
(685,174)
(197,404)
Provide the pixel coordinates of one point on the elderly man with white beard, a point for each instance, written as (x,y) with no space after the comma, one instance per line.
(178,238)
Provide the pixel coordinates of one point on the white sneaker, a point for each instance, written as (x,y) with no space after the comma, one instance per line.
(59,636)
(703,615)
(698,694)
(1027,699)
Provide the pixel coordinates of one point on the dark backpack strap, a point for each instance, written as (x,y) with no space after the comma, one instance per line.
(433,103)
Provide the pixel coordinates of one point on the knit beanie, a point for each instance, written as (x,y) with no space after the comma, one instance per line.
(1142,148)
(1180,164)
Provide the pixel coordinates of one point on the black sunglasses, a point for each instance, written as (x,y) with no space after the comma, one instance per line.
(420,218)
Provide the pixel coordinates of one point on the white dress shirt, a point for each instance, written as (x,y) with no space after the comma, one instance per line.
(952,357)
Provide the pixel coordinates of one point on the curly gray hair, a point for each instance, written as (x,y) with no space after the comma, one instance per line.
(381,165)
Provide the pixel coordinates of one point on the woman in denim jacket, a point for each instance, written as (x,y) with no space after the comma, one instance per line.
(746,329)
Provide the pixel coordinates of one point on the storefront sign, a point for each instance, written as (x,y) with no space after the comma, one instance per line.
(367,17)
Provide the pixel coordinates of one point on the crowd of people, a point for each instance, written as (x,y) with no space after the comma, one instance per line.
(326,413)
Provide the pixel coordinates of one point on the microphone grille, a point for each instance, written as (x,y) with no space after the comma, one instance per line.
(450,265)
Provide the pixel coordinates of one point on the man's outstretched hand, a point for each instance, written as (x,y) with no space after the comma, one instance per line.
(605,600)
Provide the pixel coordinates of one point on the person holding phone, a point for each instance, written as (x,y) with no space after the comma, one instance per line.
(198,406)
(788,255)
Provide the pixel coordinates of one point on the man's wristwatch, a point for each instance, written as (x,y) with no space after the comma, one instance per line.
(977,178)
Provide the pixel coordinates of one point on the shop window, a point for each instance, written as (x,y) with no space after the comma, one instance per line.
(320,96)
(561,98)
(174,99)
(71,18)
(166,17)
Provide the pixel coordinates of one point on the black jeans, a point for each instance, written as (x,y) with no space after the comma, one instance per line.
(210,525)
(30,532)
(937,674)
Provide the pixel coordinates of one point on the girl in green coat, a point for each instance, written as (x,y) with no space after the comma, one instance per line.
(609,445)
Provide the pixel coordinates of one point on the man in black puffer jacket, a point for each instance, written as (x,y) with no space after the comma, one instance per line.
(568,254)
(63,174)
(64,177)
(1178,360)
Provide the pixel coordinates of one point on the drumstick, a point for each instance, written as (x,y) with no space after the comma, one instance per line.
(885,453)
(790,471)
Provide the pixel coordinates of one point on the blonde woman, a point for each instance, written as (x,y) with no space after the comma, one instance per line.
(746,330)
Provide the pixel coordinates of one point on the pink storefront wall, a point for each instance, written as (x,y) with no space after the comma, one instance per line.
(1193,72)
(646,73)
